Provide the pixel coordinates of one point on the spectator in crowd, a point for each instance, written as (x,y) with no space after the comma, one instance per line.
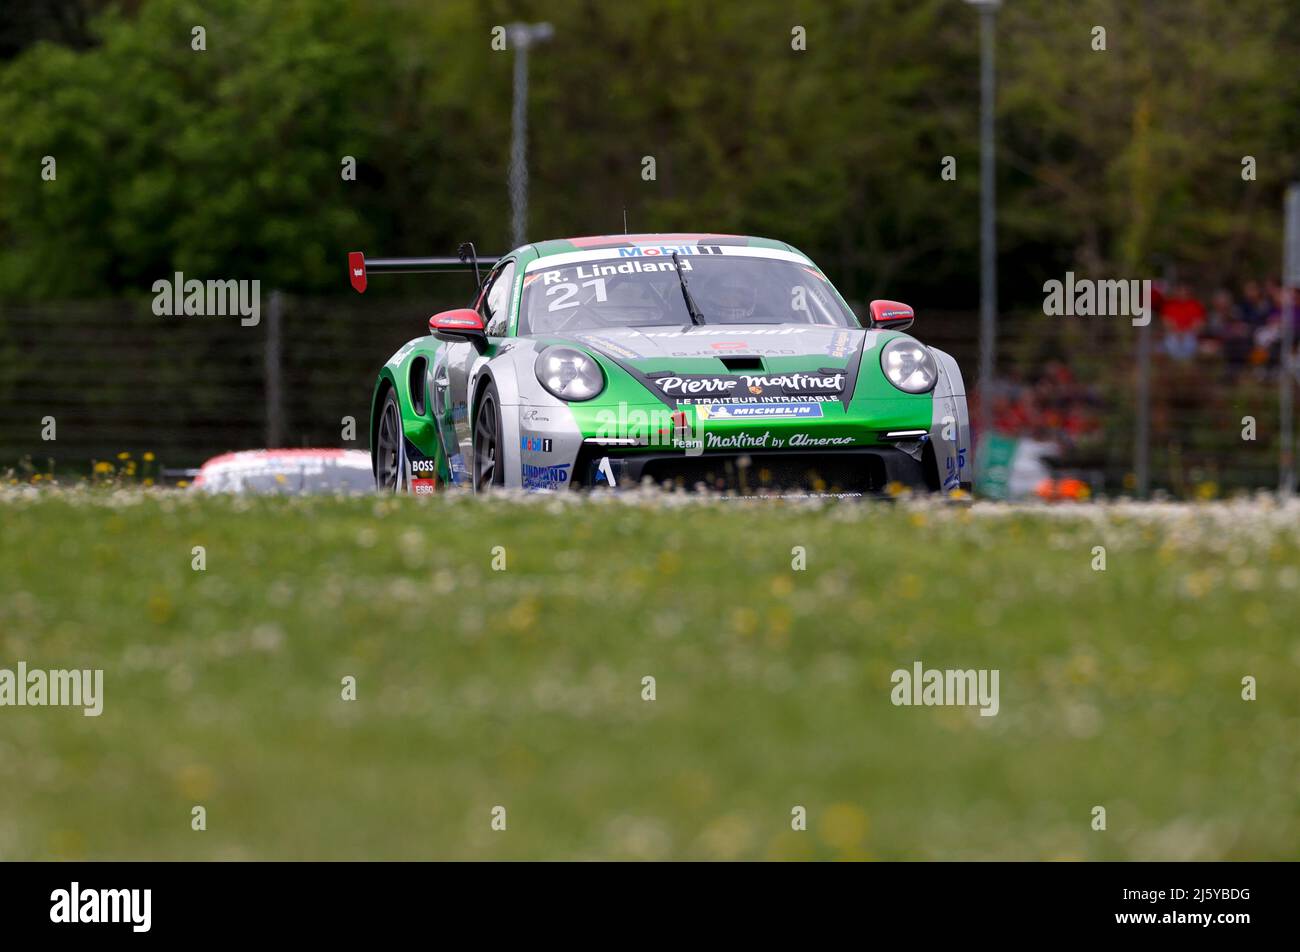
(1219,320)
(1183,317)
(1267,348)
(1254,307)
(1235,333)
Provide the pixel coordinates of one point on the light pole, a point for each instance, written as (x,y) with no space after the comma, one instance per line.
(521,36)
(988,237)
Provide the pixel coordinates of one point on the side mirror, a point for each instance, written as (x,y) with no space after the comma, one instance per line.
(891,315)
(462,325)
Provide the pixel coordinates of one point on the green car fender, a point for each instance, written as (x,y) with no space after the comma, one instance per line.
(409,374)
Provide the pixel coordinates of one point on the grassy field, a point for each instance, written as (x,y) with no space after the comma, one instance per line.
(523,687)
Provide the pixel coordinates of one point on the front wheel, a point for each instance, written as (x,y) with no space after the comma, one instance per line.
(489,464)
(390,454)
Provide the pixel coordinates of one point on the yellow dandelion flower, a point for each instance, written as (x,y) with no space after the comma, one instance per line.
(148,457)
(124,455)
(844,826)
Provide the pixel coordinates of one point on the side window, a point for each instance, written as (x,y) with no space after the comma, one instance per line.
(496,303)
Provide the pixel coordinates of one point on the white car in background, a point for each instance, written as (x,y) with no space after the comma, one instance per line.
(287,472)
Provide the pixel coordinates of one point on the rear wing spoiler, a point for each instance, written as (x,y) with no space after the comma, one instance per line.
(467,259)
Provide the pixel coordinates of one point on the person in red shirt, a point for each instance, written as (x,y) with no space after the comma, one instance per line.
(1183,316)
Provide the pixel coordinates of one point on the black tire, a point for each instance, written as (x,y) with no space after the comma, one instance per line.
(389,451)
(489,444)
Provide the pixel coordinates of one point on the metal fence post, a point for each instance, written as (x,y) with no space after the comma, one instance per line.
(1142,437)
(522,36)
(1286,369)
(274,373)
(988,209)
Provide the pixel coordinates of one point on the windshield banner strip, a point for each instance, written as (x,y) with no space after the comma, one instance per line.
(662,252)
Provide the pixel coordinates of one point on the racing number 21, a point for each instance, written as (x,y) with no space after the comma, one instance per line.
(569,289)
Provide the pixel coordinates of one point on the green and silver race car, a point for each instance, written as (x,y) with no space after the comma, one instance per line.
(692,360)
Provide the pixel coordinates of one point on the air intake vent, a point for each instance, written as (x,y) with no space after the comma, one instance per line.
(418,367)
(742,363)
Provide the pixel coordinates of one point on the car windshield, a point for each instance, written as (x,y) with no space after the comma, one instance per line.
(609,292)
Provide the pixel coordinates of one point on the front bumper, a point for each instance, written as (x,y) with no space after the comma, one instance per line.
(892,441)
(846,470)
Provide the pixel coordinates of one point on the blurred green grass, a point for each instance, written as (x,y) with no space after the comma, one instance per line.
(523,688)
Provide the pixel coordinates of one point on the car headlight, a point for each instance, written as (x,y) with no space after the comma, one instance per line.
(909,365)
(569,374)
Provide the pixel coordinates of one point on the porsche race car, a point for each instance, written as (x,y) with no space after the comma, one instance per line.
(689,360)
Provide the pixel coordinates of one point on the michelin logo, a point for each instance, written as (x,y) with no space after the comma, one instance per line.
(759,411)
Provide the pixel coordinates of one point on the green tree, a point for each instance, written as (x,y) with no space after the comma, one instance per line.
(222,162)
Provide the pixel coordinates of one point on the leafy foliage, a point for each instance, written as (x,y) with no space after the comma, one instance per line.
(227,161)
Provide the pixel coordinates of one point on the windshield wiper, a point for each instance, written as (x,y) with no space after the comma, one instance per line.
(691,307)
